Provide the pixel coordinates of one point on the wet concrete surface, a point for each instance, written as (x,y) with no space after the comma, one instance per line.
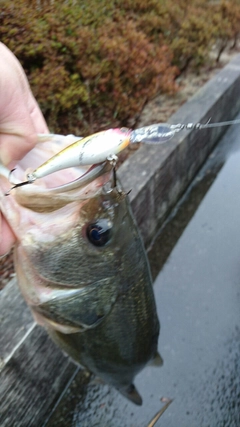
(198,299)
(198,296)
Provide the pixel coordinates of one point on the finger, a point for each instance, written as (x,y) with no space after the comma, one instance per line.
(14,147)
(15,143)
(7,238)
(18,133)
(20,116)
(36,115)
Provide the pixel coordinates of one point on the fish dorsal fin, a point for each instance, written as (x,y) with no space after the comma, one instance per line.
(131,393)
(157,360)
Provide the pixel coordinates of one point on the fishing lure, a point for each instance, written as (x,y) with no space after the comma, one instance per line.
(105,145)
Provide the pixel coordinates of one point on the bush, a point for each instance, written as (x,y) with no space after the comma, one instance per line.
(225,19)
(86,75)
(95,64)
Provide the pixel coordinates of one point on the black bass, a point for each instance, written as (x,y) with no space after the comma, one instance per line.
(82,268)
(80,261)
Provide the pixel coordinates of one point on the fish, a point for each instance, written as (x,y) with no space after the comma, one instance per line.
(82,267)
(80,261)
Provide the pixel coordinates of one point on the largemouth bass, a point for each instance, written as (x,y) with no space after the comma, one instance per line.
(82,269)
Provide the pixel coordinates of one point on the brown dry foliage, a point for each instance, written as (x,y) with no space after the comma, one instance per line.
(93,65)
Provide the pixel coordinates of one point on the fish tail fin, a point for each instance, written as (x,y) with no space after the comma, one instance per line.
(131,393)
(157,360)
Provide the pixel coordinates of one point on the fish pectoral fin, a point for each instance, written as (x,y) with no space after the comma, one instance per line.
(131,393)
(65,322)
(81,308)
(156,361)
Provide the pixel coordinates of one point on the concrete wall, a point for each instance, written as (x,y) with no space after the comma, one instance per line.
(158,175)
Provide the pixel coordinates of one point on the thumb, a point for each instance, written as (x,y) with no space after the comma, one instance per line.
(20,115)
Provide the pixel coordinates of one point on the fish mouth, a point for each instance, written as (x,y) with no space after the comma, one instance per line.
(42,199)
(58,189)
(69,179)
(92,173)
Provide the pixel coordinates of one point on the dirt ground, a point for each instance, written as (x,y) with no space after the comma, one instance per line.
(156,111)
(162,107)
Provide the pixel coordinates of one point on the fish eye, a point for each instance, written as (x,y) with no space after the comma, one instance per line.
(99,232)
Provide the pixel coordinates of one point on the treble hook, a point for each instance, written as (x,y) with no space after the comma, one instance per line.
(19,184)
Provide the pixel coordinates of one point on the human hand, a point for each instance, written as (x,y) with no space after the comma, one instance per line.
(20,121)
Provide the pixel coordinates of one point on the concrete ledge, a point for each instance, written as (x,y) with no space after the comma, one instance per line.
(158,175)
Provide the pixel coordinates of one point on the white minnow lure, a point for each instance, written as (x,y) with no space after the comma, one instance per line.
(93,149)
(104,145)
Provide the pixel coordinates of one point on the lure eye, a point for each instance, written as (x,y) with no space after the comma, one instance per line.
(99,233)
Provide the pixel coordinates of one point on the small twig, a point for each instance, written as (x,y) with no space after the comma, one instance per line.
(159,413)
